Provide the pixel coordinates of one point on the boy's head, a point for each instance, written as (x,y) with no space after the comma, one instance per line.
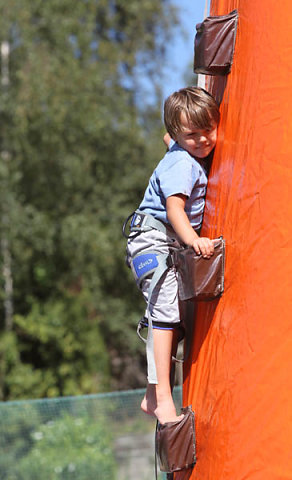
(191,117)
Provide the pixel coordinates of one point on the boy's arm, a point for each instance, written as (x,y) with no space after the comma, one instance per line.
(175,208)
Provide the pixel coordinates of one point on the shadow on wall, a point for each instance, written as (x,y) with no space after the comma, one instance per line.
(198,328)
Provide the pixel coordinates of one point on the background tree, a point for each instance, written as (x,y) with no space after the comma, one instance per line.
(80,132)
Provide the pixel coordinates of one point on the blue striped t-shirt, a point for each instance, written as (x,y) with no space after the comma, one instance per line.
(178,172)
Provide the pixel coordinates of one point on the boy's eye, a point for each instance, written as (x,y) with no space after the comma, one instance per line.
(194,134)
(198,133)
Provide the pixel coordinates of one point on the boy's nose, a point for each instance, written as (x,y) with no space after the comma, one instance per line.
(204,139)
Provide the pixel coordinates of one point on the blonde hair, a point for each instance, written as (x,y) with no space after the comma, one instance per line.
(199,107)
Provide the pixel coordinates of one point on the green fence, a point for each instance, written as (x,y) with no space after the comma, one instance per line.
(100,437)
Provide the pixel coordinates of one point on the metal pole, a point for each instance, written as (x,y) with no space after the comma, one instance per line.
(201,77)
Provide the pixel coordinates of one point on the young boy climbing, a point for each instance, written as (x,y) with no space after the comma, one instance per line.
(169,217)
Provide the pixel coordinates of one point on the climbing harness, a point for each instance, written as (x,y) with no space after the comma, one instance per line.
(146,263)
(198,278)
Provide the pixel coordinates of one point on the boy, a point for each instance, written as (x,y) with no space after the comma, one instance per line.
(173,207)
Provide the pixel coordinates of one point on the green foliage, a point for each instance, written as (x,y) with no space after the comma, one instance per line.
(58,336)
(70,447)
(79,136)
(65,338)
(16,425)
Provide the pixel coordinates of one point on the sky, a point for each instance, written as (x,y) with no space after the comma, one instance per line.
(181,50)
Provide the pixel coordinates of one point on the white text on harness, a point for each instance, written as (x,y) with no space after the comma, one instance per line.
(143,264)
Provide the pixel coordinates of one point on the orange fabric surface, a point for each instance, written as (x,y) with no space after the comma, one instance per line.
(238,378)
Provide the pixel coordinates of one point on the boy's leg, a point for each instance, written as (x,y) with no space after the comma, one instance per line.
(158,400)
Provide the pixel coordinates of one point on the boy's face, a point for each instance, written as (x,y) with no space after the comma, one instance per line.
(198,143)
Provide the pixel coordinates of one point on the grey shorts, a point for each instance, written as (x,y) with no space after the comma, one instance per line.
(165,307)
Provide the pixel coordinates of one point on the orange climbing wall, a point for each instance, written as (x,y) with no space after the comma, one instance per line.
(239,378)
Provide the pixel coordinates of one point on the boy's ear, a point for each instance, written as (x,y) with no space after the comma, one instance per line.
(167,139)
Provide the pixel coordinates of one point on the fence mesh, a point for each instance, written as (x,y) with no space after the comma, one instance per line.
(100,437)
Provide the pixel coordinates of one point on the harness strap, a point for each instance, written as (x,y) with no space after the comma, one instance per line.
(146,263)
(163,266)
(142,222)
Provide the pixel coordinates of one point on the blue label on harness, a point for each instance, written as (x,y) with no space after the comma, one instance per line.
(144,263)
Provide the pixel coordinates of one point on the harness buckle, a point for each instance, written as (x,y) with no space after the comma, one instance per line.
(137,220)
(170,262)
(130,235)
(138,224)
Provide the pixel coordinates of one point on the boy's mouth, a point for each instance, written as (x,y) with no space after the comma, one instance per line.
(203,147)
(203,150)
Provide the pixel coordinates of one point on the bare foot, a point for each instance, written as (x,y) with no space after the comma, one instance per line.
(161,407)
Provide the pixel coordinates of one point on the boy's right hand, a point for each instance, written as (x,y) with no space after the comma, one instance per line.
(203,246)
